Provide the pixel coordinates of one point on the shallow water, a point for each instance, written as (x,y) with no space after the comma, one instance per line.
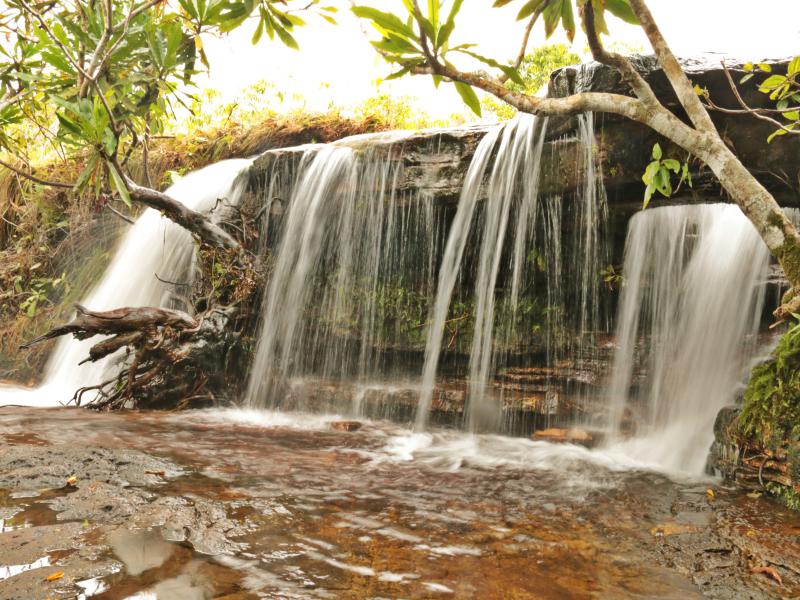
(295,509)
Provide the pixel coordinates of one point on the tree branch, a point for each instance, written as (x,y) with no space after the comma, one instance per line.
(34,178)
(198,224)
(524,46)
(672,69)
(631,76)
(746,109)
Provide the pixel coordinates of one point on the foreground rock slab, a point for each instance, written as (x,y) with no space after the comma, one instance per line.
(235,505)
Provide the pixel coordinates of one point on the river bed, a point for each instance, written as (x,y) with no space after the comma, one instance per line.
(238,504)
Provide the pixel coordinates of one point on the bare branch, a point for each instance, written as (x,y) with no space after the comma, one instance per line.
(746,109)
(629,75)
(125,218)
(34,178)
(184,216)
(524,46)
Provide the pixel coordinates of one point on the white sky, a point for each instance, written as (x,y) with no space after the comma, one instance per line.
(336,64)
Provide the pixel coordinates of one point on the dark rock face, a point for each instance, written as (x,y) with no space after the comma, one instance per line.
(626,145)
(435,161)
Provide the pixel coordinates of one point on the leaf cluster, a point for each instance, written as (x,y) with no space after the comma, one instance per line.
(101,77)
(419,40)
(783,89)
(658,175)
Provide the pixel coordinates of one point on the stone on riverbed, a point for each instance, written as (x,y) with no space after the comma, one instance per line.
(346,425)
(576,435)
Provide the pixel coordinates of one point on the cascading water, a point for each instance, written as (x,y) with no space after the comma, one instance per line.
(513,185)
(689,309)
(349,249)
(514,177)
(154,255)
(354,264)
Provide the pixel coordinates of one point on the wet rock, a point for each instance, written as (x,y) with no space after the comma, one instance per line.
(576,435)
(47,467)
(346,425)
(100,502)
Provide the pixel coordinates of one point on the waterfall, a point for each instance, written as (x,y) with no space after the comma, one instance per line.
(449,270)
(690,306)
(153,256)
(512,158)
(514,177)
(350,250)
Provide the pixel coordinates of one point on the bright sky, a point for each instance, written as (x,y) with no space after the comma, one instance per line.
(336,64)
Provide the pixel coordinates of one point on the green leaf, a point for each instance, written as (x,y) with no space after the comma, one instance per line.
(765,67)
(398,74)
(568,19)
(648,194)
(772,82)
(258,32)
(119,184)
(109,142)
(433,13)
(600,16)
(794,66)
(386,21)
(469,96)
(510,71)
(622,10)
(552,15)
(671,164)
(91,166)
(657,152)
(286,38)
(69,125)
(529,8)
(776,133)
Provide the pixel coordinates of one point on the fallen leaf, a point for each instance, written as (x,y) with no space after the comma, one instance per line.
(769,571)
(754,495)
(159,473)
(55,576)
(710,493)
(72,480)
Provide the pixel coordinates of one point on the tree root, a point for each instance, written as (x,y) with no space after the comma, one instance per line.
(158,369)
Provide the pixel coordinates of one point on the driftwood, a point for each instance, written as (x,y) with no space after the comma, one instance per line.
(156,340)
(89,323)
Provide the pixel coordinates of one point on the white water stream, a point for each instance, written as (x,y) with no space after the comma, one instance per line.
(151,254)
(689,310)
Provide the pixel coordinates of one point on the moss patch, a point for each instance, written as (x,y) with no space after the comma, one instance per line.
(771,411)
(768,427)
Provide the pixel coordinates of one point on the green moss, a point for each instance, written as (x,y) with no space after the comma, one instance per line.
(771,411)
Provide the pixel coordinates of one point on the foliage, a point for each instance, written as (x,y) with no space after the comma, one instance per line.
(534,70)
(396,112)
(100,78)
(612,276)
(771,410)
(412,50)
(658,175)
(784,90)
